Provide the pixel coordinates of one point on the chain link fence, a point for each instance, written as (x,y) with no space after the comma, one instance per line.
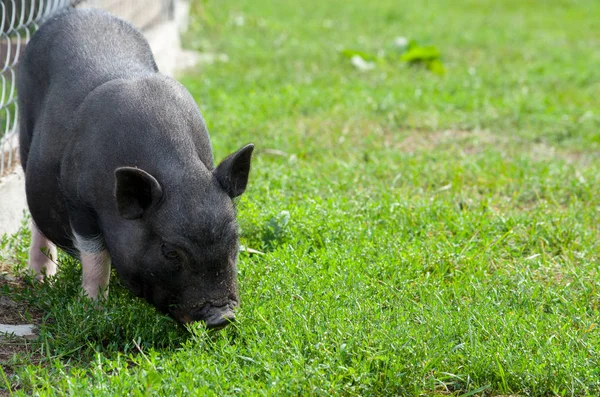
(20,19)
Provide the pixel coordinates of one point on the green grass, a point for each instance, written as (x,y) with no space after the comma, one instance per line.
(443,234)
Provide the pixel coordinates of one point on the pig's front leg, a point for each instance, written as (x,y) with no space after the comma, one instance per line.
(95,265)
(42,255)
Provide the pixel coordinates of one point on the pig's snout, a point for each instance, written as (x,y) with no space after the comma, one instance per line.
(215,317)
(219,317)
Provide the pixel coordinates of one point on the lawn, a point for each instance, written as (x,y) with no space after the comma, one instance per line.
(423,233)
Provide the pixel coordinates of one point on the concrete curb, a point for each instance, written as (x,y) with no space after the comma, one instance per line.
(12,201)
(166,46)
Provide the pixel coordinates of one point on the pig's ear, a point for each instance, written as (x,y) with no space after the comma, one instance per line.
(135,191)
(233,172)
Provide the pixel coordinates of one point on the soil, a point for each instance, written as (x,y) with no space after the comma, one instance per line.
(16,351)
(12,312)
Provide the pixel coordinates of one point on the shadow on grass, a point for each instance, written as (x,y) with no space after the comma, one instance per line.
(72,328)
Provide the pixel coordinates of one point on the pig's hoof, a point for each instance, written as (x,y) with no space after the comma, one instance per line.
(92,303)
(42,277)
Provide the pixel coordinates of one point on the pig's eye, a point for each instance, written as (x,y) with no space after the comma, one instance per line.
(170,253)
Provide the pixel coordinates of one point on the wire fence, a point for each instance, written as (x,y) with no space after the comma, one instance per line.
(20,19)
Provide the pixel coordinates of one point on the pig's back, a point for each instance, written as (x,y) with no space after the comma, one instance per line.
(83,47)
(70,55)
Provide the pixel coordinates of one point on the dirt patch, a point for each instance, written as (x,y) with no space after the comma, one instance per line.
(374,134)
(15,351)
(13,354)
(468,140)
(4,268)
(475,141)
(12,312)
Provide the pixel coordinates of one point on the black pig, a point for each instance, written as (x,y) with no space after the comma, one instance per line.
(119,169)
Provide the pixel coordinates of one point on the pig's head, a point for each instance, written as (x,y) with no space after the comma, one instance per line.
(178,245)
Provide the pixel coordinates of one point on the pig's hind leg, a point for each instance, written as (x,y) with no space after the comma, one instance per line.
(95,265)
(42,255)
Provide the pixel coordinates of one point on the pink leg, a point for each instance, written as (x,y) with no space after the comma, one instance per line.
(42,255)
(96,273)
